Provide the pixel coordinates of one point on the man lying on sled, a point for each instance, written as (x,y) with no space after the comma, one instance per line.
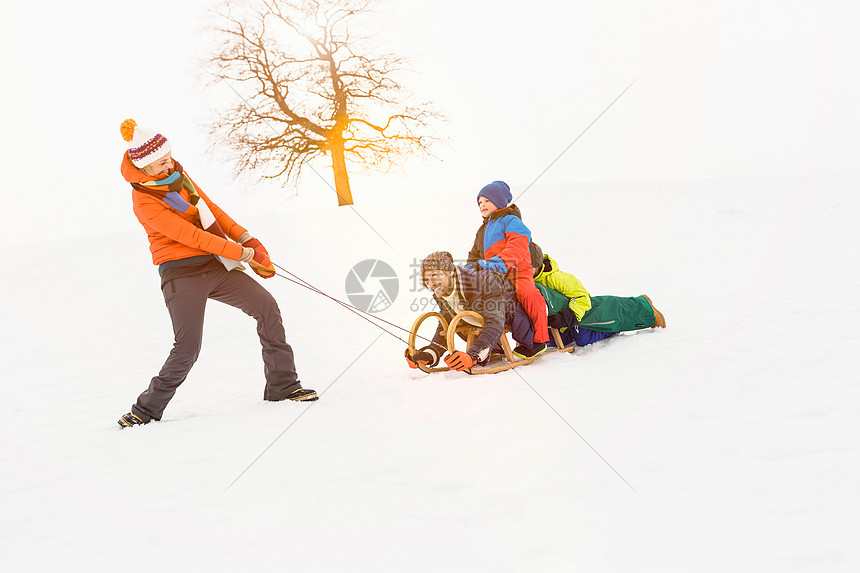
(486,292)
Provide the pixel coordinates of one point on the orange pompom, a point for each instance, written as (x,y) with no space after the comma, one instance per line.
(127,129)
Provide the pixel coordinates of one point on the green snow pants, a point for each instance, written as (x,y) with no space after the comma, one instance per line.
(618,314)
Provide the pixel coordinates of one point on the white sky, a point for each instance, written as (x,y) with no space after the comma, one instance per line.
(730,88)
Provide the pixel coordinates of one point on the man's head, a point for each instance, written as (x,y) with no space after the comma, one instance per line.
(493,197)
(437,272)
(147,149)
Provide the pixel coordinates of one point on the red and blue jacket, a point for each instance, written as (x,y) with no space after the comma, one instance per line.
(502,242)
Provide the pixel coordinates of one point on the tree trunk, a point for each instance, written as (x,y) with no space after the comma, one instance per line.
(341,177)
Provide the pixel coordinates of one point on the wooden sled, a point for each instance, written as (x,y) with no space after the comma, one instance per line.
(469,333)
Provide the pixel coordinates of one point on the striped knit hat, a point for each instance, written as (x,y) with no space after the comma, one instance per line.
(144,145)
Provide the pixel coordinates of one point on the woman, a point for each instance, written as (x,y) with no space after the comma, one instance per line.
(189,237)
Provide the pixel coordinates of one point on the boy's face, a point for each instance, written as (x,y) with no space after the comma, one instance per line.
(441,283)
(486,207)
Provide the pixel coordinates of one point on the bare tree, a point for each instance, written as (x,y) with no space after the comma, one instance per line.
(316,90)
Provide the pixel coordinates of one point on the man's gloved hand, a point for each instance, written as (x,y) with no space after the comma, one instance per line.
(460,361)
(421,355)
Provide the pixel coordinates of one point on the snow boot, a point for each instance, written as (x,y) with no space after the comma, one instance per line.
(530,352)
(303,395)
(659,319)
(130,419)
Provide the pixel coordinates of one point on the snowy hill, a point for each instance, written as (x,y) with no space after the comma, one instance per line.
(729,441)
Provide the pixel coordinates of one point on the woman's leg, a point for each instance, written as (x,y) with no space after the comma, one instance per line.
(241,291)
(185,298)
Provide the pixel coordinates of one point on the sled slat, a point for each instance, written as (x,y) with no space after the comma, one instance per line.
(469,333)
(414,332)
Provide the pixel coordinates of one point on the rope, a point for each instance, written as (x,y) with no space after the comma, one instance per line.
(356,311)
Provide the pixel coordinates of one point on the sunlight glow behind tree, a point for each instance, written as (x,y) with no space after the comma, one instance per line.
(317,89)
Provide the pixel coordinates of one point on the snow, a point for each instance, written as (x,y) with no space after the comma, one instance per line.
(729,441)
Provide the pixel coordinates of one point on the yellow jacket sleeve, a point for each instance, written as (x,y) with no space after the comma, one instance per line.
(568,285)
(572,288)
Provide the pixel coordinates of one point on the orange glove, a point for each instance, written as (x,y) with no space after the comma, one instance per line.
(460,361)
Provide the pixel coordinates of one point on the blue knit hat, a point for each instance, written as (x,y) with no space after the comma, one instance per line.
(498,193)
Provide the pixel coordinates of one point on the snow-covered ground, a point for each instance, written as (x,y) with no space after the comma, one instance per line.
(729,441)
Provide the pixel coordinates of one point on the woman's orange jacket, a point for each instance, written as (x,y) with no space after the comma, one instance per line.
(173,235)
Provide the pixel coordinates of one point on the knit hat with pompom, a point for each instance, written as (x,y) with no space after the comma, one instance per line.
(144,145)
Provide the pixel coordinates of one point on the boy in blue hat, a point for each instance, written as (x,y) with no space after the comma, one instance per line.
(502,245)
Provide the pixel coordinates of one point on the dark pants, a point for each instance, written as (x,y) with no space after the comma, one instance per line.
(186,298)
(580,336)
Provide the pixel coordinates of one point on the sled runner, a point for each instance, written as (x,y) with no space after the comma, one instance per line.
(469,332)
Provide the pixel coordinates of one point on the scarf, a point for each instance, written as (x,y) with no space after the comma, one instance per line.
(168,190)
(456,301)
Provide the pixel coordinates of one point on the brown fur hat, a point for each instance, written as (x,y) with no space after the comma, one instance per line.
(438,261)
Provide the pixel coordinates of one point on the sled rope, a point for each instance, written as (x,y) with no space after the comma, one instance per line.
(356,311)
